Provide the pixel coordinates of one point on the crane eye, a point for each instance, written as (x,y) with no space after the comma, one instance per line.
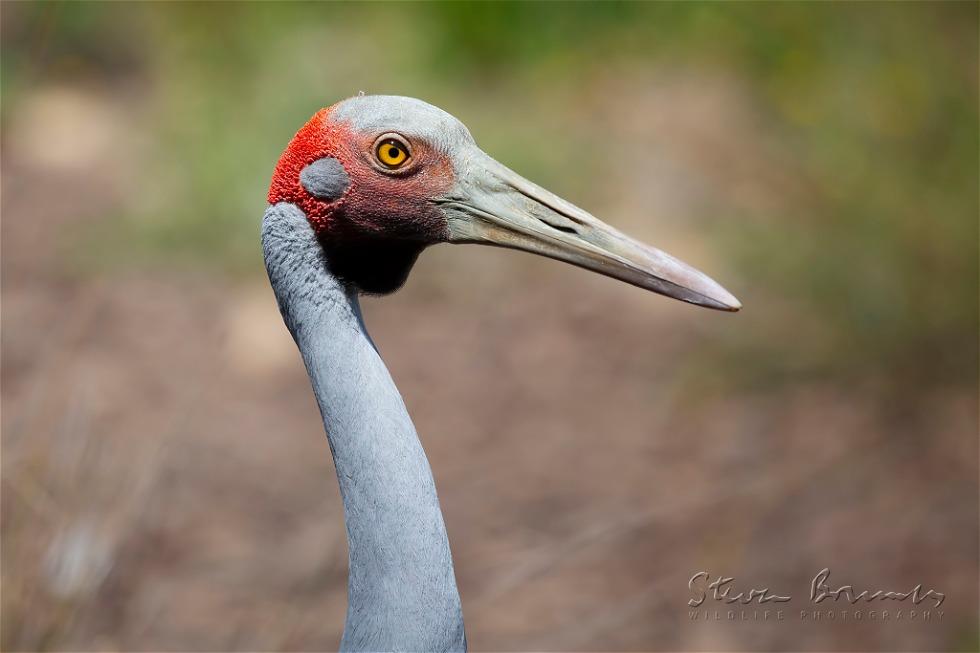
(391,152)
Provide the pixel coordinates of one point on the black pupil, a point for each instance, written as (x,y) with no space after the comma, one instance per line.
(393,151)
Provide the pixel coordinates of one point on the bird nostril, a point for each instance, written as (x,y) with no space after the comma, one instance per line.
(560,227)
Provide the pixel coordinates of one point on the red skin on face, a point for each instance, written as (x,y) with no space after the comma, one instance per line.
(376,203)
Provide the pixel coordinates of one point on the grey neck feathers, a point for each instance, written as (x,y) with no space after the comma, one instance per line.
(401,589)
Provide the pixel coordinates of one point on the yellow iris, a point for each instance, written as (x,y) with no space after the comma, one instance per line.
(392,153)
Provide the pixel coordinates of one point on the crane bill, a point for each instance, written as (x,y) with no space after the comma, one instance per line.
(492,205)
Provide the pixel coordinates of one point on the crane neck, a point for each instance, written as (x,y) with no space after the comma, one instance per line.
(401,586)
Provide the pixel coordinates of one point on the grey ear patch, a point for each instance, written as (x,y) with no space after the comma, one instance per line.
(325,179)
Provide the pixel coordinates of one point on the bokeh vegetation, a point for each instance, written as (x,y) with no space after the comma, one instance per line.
(873,235)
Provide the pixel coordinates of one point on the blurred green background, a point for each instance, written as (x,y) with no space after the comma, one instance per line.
(820,160)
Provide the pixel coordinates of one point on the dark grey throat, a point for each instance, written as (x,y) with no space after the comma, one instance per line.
(401,589)
(374,266)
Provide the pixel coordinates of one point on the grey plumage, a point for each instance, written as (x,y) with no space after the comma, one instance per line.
(408,116)
(402,592)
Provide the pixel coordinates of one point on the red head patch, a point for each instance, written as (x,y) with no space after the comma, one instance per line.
(376,203)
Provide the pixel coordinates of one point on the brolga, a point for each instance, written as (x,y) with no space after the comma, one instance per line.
(359,192)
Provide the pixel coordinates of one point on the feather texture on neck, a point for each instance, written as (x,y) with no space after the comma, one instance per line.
(402,588)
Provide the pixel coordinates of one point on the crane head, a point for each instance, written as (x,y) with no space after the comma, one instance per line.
(382,177)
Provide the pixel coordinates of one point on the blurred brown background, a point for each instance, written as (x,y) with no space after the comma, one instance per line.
(166,482)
